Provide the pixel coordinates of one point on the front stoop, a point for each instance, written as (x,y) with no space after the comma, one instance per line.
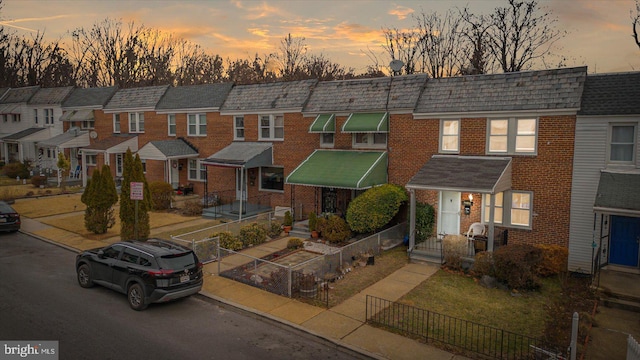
(619,301)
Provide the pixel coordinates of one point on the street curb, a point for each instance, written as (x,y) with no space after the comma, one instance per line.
(293,325)
(77,251)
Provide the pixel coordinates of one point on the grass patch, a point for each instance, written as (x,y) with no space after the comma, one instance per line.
(362,277)
(9,192)
(187,229)
(49,205)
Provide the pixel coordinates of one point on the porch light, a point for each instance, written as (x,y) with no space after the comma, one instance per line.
(468,204)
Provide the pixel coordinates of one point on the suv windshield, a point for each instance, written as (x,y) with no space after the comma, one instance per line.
(178,261)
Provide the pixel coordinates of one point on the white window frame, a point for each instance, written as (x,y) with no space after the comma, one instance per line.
(171,124)
(327,140)
(512,136)
(508,208)
(136,122)
(198,167)
(119,163)
(446,135)
(238,130)
(370,141)
(272,128)
(198,121)
(498,213)
(91,159)
(48,116)
(116,124)
(271,190)
(87,124)
(633,144)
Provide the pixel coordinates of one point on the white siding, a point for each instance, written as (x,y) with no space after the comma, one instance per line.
(589,159)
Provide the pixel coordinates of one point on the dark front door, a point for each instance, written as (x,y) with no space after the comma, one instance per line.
(329,200)
(625,238)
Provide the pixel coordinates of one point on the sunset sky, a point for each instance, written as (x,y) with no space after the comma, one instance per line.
(345,31)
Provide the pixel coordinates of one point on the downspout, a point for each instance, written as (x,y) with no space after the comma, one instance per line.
(242,189)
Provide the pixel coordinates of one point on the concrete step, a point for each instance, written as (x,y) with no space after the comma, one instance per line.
(621,304)
(297,232)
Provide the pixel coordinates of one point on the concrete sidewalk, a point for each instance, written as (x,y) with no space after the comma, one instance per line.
(343,325)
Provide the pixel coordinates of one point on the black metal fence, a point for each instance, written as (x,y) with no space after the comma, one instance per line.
(464,335)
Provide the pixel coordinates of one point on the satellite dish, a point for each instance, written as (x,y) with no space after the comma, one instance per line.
(93,134)
(396,65)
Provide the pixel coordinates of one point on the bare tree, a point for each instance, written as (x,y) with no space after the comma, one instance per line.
(475,57)
(290,57)
(521,34)
(194,66)
(321,68)
(402,45)
(246,71)
(439,43)
(635,22)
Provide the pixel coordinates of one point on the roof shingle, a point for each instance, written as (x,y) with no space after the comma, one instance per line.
(271,96)
(195,97)
(137,98)
(611,94)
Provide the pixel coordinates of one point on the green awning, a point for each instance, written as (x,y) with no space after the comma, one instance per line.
(367,123)
(341,169)
(324,123)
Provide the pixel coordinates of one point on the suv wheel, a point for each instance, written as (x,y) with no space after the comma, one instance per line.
(84,276)
(136,297)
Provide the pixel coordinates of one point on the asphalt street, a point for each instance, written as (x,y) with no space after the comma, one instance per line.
(41,300)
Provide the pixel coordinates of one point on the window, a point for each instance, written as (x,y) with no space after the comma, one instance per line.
(16,117)
(512,208)
(171,124)
(271,127)
(371,140)
(512,136)
(91,160)
(5,117)
(238,128)
(450,135)
(197,170)
(136,122)
(272,178)
(197,124)
(116,123)
(326,139)
(35,115)
(130,256)
(48,116)
(144,165)
(87,124)
(119,164)
(622,143)
(112,252)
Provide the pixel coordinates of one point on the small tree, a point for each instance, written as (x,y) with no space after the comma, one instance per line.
(132,172)
(100,195)
(63,168)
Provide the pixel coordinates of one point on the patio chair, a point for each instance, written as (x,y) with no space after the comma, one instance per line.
(475,229)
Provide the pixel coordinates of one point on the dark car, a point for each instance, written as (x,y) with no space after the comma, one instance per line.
(9,218)
(152,271)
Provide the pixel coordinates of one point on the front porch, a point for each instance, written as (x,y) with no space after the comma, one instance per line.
(432,250)
(225,204)
(619,287)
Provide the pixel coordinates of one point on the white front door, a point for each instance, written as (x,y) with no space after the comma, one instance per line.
(174,174)
(449,213)
(119,164)
(241,184)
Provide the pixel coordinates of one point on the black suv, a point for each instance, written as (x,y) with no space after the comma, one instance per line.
(148,272)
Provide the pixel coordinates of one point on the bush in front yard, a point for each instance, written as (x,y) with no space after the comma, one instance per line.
(554,260)
(516,266)
(253,234)
(483,264)
(425,218)
(275,229)
(334,229)
(228,241)
(454,247)
(295,243)
(39,180)
(161,193)
(375,207)
(15,169)
(192,208)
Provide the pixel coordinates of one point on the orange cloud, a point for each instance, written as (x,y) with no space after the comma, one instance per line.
(401,12)
(359,33)
(259,11)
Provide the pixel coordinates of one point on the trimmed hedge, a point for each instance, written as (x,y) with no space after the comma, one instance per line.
(515,265)
(334,229)
(375,207)
(229,241)
(253,234)
(554,260)
(161,194)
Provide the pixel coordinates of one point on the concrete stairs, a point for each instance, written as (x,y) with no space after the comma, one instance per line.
(619,289)
(300,229)
(619,301)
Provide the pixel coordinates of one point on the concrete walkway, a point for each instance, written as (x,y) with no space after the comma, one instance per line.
(344,324)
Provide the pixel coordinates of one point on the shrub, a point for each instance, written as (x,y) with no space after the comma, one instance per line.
(334,229)
(554,260)
(15,169)
(515,266)
(253,234)
(275,229)
(192,208)
(425,218)
(454,248)
(483,264)
(39,180)
(375,207)
(161,194)
(288,219)
(228,240)
(295,243)
(313,221)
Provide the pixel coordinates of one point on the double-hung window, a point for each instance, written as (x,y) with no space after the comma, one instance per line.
(197,124)
(450,136)
(136,122)
(271,127)
(116,123)
(91,159)
(48,116)
(171,124)
(370,140)
(87,124)
(35,115)
(512,136)
(512,208)
(272,178)
(197,170)
(622,144)
(238,128)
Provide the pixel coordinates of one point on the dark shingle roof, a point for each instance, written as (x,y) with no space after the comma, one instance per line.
(22,134)
(195,97)
(137,98)
(611,94)
(618,191)
(174,147)
(557,89)
(271,96)
(19,95)
(109,142)
(50,96)
(367,94)
(97,97)
(3,91)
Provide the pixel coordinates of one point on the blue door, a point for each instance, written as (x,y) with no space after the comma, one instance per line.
(625,238)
